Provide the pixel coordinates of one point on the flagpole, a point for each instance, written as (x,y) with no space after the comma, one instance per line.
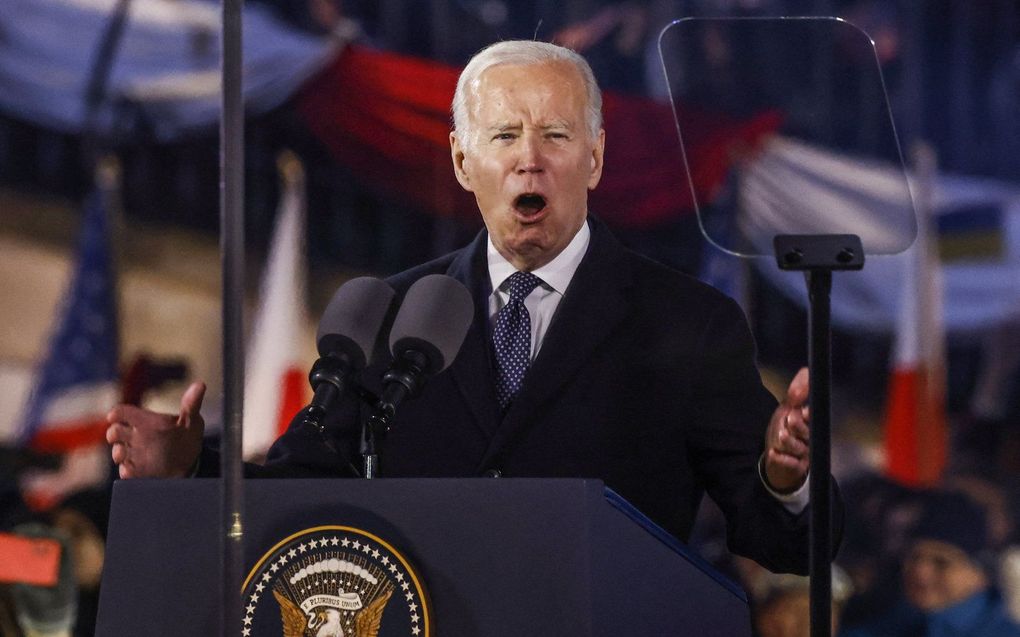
(232,255)
(99,77)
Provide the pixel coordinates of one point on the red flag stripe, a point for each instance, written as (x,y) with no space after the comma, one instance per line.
(73,434)
(916,444)
(387,117)
(293,397)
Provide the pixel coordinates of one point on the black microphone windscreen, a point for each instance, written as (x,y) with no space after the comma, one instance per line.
(353,318)
(433,319)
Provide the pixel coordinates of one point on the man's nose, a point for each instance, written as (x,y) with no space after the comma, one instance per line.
(529,159)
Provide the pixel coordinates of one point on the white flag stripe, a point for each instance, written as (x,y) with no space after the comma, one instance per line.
(157,13)
(279,327)
(797,189)
(791,179)
(67,409)
(81,469)
(48,45)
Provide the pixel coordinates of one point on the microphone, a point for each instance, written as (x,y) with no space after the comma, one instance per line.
(425,338)
(346,337)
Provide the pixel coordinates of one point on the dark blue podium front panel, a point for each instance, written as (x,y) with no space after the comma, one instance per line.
(499,557)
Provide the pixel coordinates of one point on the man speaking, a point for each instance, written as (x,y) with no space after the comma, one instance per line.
(584,359)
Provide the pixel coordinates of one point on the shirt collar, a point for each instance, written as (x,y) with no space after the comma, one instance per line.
(556,274)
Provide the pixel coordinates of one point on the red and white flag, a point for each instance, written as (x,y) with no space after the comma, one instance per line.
(915,435)
(276,386)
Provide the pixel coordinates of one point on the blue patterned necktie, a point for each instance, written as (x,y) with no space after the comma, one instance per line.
(511,339)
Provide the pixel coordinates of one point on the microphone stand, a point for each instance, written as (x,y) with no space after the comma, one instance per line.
(328,377)
(403,380)
(369,457)
(818,256)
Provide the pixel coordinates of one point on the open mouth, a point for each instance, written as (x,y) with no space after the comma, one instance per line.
(529,204)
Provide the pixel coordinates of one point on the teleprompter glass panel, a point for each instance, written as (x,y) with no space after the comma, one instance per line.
(800,122)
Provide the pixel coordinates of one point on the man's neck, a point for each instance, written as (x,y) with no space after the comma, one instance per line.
(556,273)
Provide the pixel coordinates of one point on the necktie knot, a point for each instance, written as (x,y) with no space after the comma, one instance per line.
(522,284)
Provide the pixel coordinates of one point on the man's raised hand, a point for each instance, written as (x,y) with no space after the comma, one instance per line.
(788,438)
(146,444)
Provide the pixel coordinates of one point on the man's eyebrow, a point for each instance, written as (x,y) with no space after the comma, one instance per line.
(505,126)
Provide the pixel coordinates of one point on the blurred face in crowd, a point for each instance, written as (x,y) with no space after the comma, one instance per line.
(789,615)
(529,159)
(937,575)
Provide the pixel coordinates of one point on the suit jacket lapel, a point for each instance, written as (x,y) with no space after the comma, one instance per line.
(472,369)
(591,309)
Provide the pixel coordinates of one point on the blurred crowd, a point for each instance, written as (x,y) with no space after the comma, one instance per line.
(936,561)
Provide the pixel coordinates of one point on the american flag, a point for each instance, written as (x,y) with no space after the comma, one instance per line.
(77,382)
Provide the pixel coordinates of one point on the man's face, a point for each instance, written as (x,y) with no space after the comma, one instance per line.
(528,158)
(937,575)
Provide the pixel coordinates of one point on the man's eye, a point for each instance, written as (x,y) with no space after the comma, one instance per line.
(503,136)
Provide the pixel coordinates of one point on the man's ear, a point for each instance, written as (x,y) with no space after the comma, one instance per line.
(596,160)
(457,154)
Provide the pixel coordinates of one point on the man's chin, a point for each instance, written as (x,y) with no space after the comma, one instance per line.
(530,252)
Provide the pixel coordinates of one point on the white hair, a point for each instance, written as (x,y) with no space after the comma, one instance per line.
(522,53)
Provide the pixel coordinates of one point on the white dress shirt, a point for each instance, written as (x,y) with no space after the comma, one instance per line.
(544,300)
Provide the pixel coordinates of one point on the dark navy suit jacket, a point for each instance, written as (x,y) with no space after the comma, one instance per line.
(646,379)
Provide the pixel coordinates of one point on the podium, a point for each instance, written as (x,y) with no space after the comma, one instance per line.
(496,557)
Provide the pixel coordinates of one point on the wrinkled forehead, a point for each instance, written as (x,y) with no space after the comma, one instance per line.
(555,84)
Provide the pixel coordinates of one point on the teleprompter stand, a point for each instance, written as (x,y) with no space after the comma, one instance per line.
(809,190)
(818,256)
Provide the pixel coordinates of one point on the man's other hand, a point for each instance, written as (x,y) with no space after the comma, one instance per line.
(146,444)
(787,439)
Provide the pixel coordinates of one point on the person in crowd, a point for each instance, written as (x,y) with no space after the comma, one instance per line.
(946,580)
(781,604)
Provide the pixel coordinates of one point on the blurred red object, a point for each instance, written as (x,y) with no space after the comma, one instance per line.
(386,116)
(25,560)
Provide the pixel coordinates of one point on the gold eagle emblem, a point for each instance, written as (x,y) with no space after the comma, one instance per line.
(327,621)
(334,581)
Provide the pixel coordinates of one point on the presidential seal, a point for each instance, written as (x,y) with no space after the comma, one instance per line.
(334,581)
